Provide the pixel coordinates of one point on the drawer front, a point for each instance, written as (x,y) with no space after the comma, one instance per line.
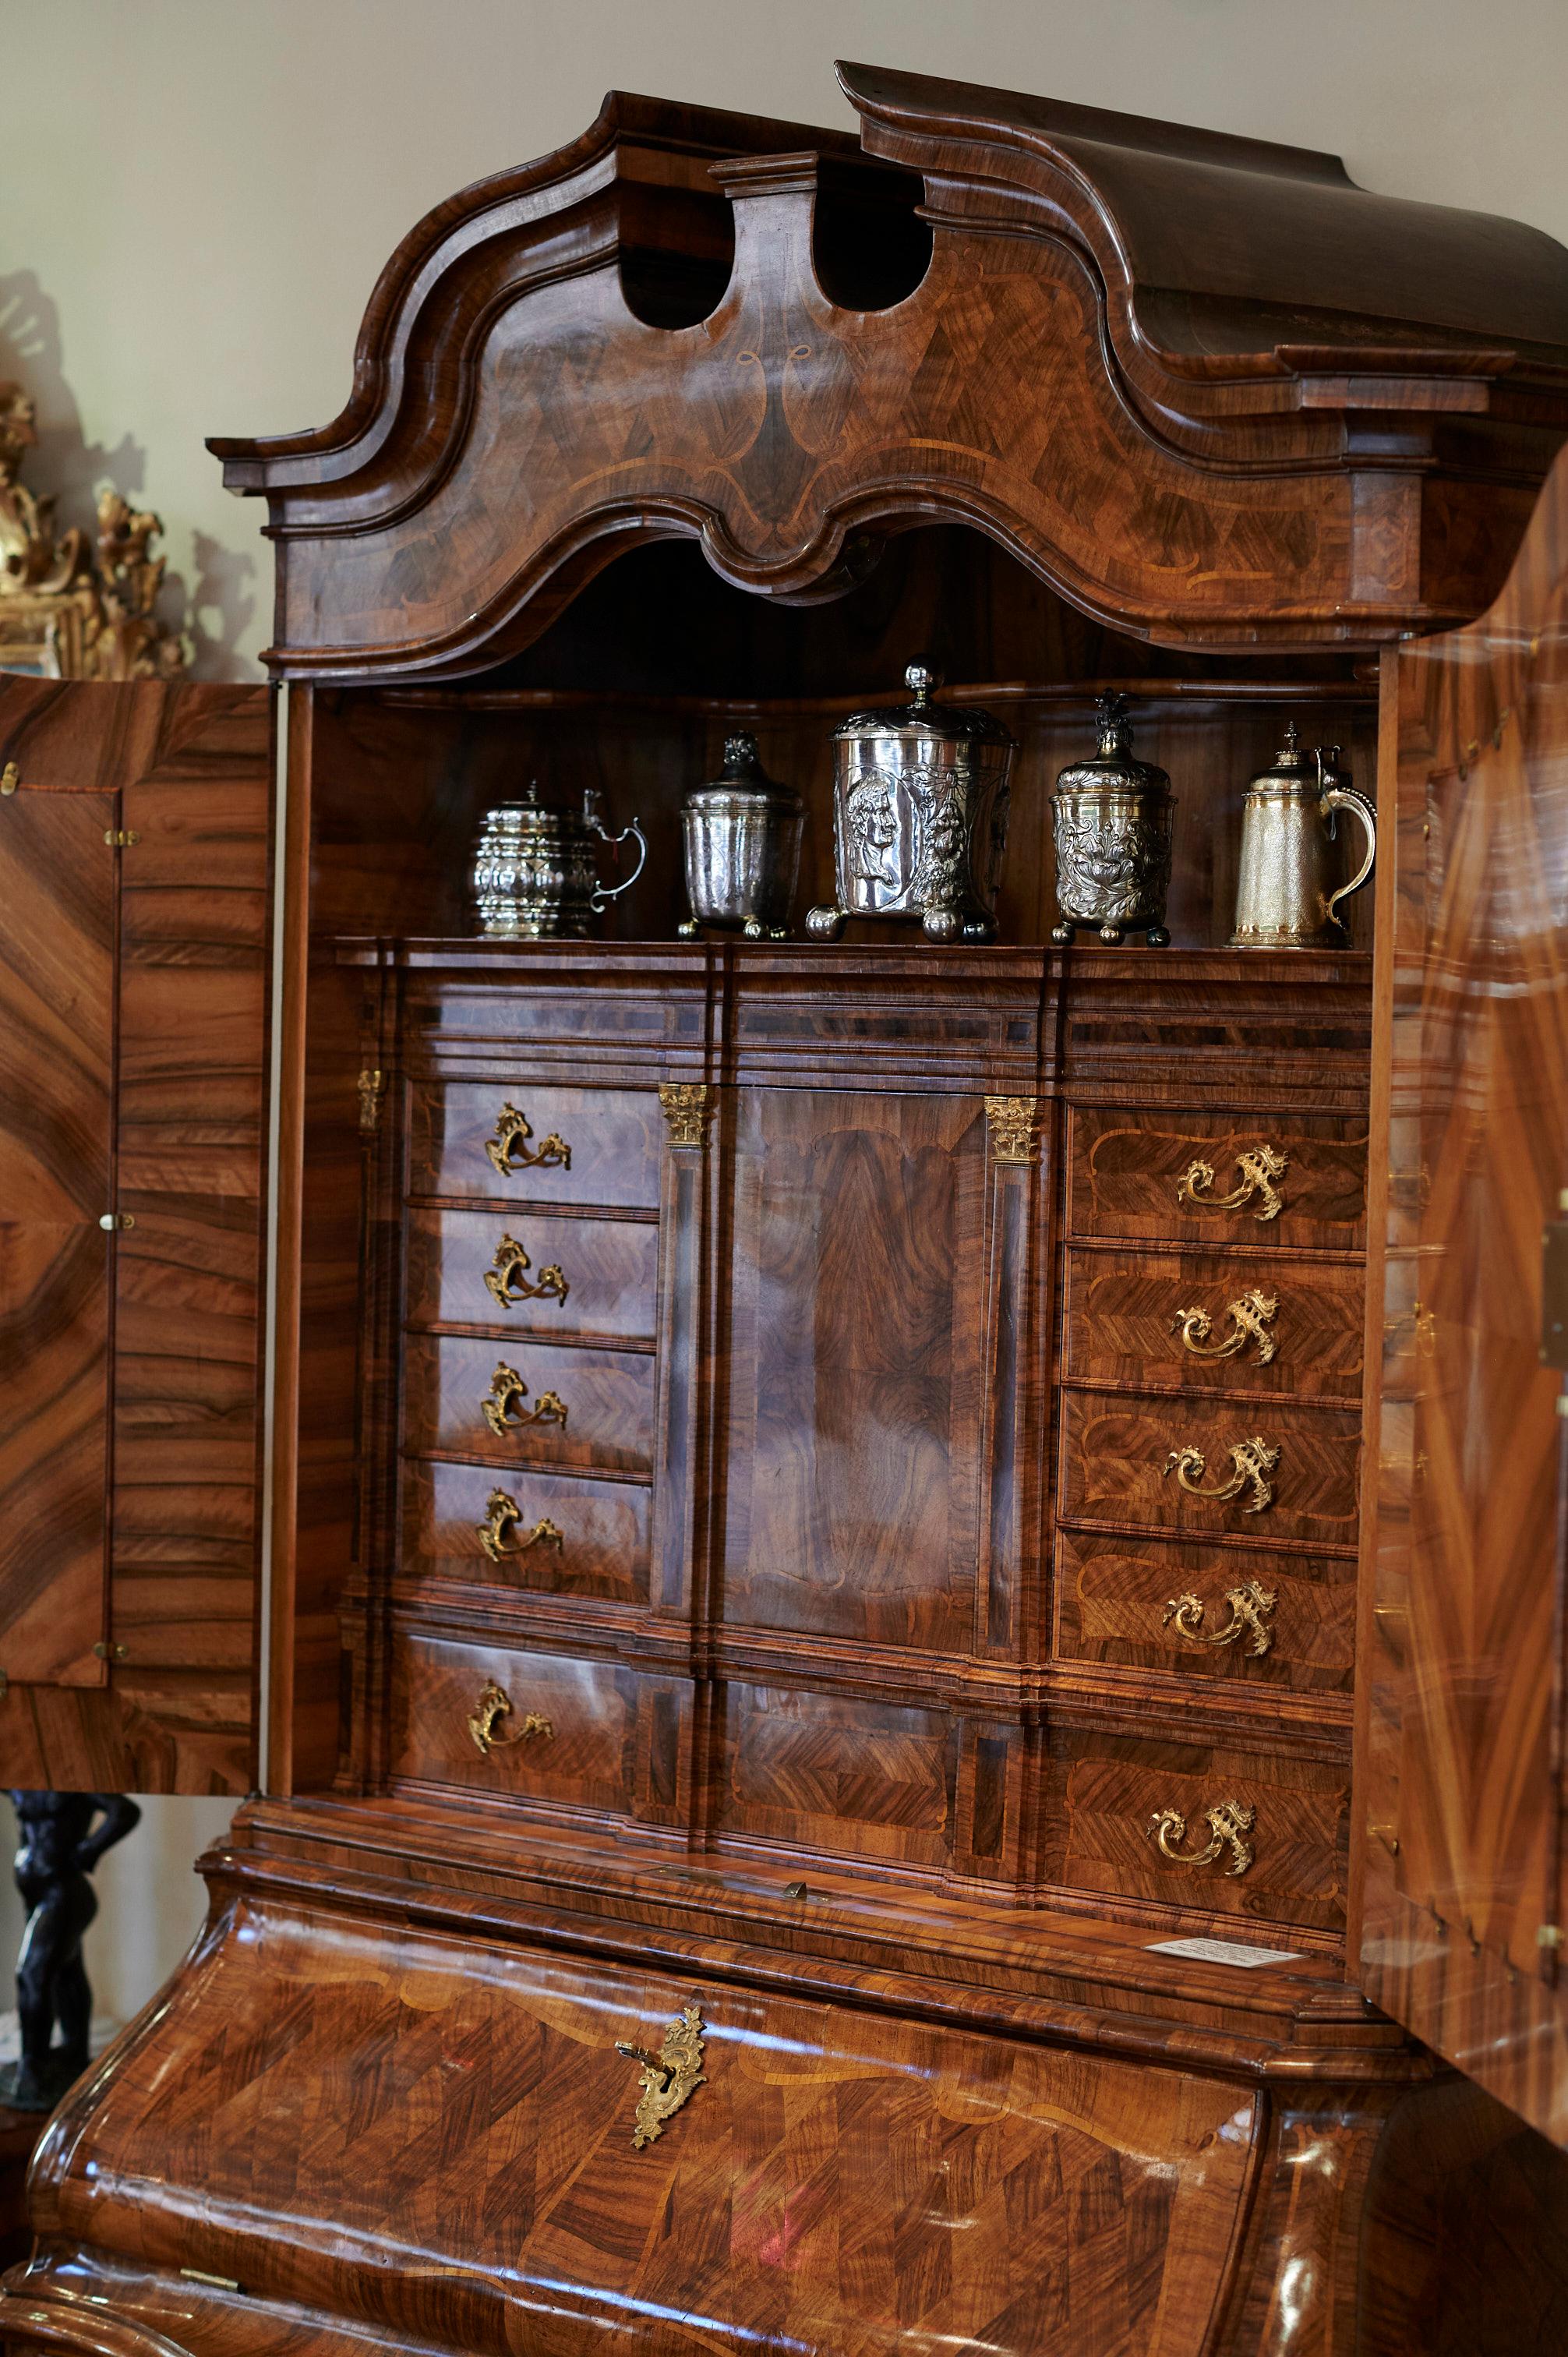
(825,1772)
(1167,1464)
(1208,1321)
(1285,1827)
(508,1140)
(530,1402)
(1197,1611)
(1297,1182)
(588,1276)
(547,1532)
(570,1737)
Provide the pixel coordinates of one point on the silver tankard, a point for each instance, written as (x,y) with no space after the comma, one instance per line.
(742,840)
(1283,901)
(919,817)
(1111,820)
(535,874)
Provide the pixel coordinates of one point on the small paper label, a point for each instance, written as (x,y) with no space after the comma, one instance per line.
(1224,1951)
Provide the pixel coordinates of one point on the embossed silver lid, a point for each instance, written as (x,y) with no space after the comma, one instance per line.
(1113,767)
(922,719)
(743,784)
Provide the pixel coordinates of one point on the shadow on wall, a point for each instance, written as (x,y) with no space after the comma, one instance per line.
(215,613)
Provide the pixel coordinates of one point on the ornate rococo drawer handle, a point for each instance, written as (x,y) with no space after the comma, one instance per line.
(1259,1165)
(1250,1314)
(503,1513)
(493,1705)
(668,2077)
(1228,1823)
(509,1150)
(502,1404)
(1251,1607)
(1253,1460)
(506,1280)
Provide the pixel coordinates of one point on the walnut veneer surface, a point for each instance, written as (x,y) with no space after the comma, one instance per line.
(813,1495)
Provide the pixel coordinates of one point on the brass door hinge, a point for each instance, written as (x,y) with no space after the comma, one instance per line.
(370,1085)
(10,778)
(120,838)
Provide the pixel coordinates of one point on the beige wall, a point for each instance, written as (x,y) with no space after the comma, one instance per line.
(199,194)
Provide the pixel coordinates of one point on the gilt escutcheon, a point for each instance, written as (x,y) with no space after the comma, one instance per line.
(668,2077)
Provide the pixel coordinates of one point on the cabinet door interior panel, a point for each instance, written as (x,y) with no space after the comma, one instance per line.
(1204,1321)
(548,1531)
(1201,1179)
(832,1773)
(508,1139)
(59,892)
(1250,1617)
(530,1402)
(1123,1461)
(558,1276)
(857,1275)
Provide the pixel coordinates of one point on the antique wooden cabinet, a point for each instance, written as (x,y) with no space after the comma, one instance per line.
(818,1506)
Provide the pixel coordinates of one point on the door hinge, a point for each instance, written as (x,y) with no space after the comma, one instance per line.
(112,1220)
(120,838)
(10,778)
(371,1086)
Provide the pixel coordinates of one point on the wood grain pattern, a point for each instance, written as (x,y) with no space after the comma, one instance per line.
(61,891)
(857,1282)
(603,1526)
(1123,1324)
(791,432)
(609,1265)
(1115,1449)
(176,976)
(1462,1731)
(608,1397)
(1126,1168)
(611,1135)
(1112,1595)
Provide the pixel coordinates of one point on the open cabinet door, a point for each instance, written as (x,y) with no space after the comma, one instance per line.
(133,936)
(1461,1705)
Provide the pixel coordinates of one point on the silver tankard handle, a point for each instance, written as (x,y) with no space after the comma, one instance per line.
(1339,798)
(602,893)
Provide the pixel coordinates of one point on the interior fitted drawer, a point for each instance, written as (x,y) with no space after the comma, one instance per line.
(530,1402)
(1282,1823)
(1201,1612)
(552,1277)
(840,2179)
(561,1536)
(1208,1321)
(830,1772)
(544,1727)
(1283,1471)
(1297,1181)
(507,1138)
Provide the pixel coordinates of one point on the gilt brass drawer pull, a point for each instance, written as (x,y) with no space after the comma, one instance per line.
(1250,1314)
(1251,1607)
(503,1514)
(1227,1822)
(493,1705)
(1253,1460)
(506,1280)
(502,1405)
(1259,1165)
(669,2077)
(509,1150)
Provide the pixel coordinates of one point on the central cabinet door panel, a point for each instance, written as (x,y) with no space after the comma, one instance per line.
(840,2183)
(857,1295)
